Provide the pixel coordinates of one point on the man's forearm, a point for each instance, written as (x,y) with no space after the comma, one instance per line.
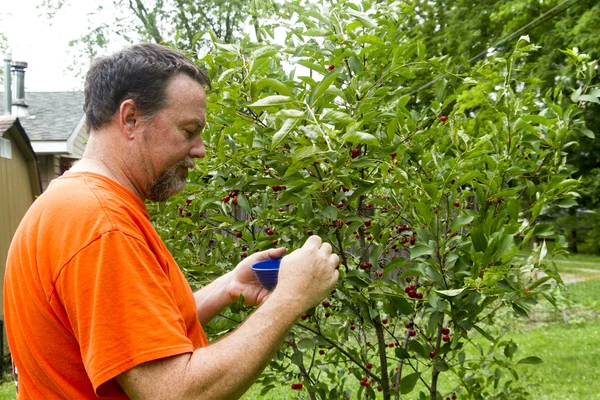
(212,298)
(227,368)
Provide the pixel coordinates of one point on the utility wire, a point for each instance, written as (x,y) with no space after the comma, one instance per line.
(542,18)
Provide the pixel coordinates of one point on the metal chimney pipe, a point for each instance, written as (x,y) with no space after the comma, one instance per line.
(7,84)
(19,68)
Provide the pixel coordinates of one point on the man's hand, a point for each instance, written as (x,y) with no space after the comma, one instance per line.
(308,274)
(244,282)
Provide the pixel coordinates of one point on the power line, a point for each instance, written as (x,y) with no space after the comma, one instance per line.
(548,15)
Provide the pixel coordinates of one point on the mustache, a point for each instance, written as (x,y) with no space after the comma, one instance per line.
(186,163)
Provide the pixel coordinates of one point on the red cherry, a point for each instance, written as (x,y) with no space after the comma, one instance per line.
(367,223)
(412,332)
(326,315)
(453,181)
(369,365)
(188,214)
(355,153)
(368,206)
(457,204)
(331,67)
(340,205)
(269,232)
(238,234)
(393,155)
(445,331)
(321,352)
(352,327)
(446,338)
(419,295)
(443,118)
(432,354)
(225,199)
(326,304)
(188,201)
(384,321)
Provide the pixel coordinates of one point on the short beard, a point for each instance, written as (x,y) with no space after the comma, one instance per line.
(169,183)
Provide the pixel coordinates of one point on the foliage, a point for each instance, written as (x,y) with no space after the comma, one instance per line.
(428,202)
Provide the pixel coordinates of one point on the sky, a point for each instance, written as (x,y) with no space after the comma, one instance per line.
(44,45)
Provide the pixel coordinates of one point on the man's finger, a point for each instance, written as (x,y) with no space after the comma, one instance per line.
(313,242)
(335,259)
(268,254)
(327,247)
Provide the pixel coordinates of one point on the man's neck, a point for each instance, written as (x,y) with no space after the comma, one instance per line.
(98,166)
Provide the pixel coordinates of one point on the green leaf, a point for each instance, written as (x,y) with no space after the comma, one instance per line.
(451,292)
(420,250)
(363,18)
(304,152)
(485,334)
(274,100)
(340,117)
(286,128)
(243,202)
(401,353)
(318,91)
(275,84)
(407,384)
(460,222)
(530,360)
(290,114)
(478,239)
(306,343)
(360,138)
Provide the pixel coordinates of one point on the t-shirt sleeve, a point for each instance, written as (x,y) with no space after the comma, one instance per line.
(121,307)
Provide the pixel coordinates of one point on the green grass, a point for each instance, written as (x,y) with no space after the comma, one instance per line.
(586,293)
(571,358)
(7,391)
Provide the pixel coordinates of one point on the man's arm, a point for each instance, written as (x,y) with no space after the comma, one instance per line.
(221,292)
(227,368)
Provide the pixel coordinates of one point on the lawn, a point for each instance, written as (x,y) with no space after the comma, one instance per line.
(7,391)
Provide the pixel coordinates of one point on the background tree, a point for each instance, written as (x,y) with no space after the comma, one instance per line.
(466,30)
(185,24)
(428,199)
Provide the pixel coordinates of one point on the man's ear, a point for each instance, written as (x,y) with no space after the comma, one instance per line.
(129,118)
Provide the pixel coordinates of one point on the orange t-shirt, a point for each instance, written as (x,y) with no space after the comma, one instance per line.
(91,291)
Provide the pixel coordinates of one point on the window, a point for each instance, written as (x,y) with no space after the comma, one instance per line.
(5,148)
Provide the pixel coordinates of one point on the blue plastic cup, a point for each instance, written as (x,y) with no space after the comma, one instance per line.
(267,272)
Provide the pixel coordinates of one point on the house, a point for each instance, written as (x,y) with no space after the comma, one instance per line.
(20,183)
(54,123)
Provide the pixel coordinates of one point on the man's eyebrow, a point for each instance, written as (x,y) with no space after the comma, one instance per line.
(199,123)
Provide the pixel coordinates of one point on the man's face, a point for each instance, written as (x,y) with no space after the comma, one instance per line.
(172,139)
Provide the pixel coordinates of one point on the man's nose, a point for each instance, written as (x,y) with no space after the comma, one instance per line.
(197,150)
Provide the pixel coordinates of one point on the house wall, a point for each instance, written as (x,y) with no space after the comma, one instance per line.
(49,165)
(79,142)
(16,195)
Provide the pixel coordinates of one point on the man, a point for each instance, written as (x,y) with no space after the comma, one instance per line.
(95,305)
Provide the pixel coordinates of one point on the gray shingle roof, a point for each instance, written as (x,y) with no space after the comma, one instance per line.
(52,115)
